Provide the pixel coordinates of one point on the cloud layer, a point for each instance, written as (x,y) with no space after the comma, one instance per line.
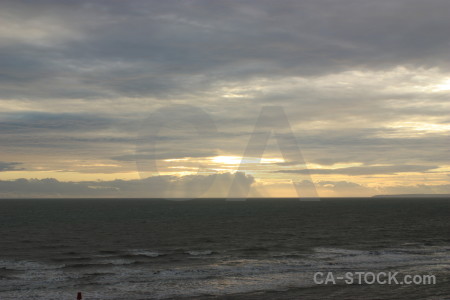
(364,84)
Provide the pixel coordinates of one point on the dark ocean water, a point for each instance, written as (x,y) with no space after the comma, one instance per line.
(215,249)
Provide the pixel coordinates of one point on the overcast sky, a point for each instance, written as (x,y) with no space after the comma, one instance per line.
(165,98)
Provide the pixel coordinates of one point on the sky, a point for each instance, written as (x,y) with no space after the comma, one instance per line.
(216,98)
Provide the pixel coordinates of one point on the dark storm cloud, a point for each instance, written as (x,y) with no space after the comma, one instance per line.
(163,48)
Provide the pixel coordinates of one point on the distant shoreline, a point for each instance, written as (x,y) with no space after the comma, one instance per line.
(414,195)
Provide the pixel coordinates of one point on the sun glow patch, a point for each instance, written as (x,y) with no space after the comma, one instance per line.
(444,86)
(422,126)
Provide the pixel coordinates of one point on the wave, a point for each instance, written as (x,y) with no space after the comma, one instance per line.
(155,254)
(255,249)
(199,252)
(231,273)
(69,259)
(27,265)
(146,253)
(110,263)
(377,259)
(108,252)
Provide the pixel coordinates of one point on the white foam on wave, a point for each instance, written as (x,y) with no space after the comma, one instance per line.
(27,265)
(29,277)
(144,252)
(392,257)
(119,261)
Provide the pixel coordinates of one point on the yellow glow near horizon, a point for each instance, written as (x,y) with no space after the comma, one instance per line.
(236,160)
(334,166)
(68,176)
(176,159)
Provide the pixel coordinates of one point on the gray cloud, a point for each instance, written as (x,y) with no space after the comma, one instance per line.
(79,78)
(67,122)
(346,188)
(153,187)
(418,189)
(8,166)
(106,48)
(162,155)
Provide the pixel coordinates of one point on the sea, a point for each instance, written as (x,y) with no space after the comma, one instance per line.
(131,249)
